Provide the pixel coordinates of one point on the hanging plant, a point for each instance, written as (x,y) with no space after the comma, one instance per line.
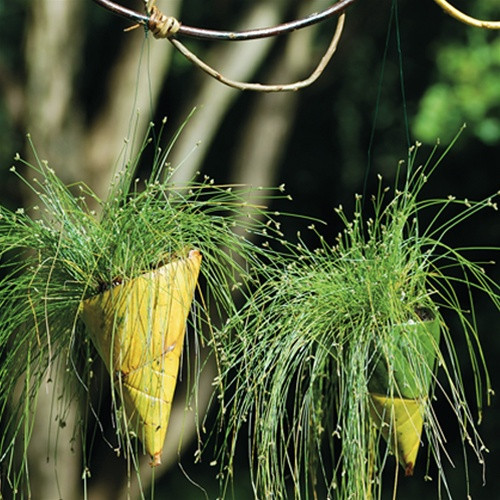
(120,282)
(344,348)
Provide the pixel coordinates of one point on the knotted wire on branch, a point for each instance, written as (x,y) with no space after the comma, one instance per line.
(163,26)
(160,25)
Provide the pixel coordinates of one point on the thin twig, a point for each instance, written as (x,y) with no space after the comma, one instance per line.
(464,18)
(232,36)
(258,86)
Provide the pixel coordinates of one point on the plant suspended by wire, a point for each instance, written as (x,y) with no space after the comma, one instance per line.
(120,283)
(345,347)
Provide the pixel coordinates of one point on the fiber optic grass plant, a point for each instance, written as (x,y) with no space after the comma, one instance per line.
(130,272)
(334,363)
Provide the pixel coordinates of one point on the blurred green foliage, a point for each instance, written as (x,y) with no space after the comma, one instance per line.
(466,89)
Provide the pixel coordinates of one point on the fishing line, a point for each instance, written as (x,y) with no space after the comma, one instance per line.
(133,122)
(377,103)
(401,74)
(147,41)
(394,22)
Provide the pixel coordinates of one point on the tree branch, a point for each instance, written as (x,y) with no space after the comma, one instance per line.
(464,18)
(163,26)
(232,36)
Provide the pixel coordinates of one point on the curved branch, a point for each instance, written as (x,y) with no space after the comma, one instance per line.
(464,18)
(232,36)
(259,86)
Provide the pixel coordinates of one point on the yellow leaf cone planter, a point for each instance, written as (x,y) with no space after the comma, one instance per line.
(138,329)
(401,421)
(408,361)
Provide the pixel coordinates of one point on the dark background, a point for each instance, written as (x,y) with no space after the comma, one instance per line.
(377,96)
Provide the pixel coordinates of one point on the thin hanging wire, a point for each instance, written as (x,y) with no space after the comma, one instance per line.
(394,23)
(377,103)
(401,74)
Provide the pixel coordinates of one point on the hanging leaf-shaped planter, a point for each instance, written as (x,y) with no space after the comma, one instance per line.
(343,338)
(138,329)
(79,273)
(400,384)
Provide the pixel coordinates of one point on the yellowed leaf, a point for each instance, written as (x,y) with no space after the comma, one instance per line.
(138,328)
(403,419)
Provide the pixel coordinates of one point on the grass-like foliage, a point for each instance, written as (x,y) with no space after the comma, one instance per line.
(71,245)
(332,329)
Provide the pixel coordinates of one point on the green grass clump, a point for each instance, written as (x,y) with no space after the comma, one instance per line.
(304,350)
(71,245)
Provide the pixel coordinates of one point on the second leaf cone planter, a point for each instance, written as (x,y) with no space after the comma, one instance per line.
(138,329)
(407,365)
